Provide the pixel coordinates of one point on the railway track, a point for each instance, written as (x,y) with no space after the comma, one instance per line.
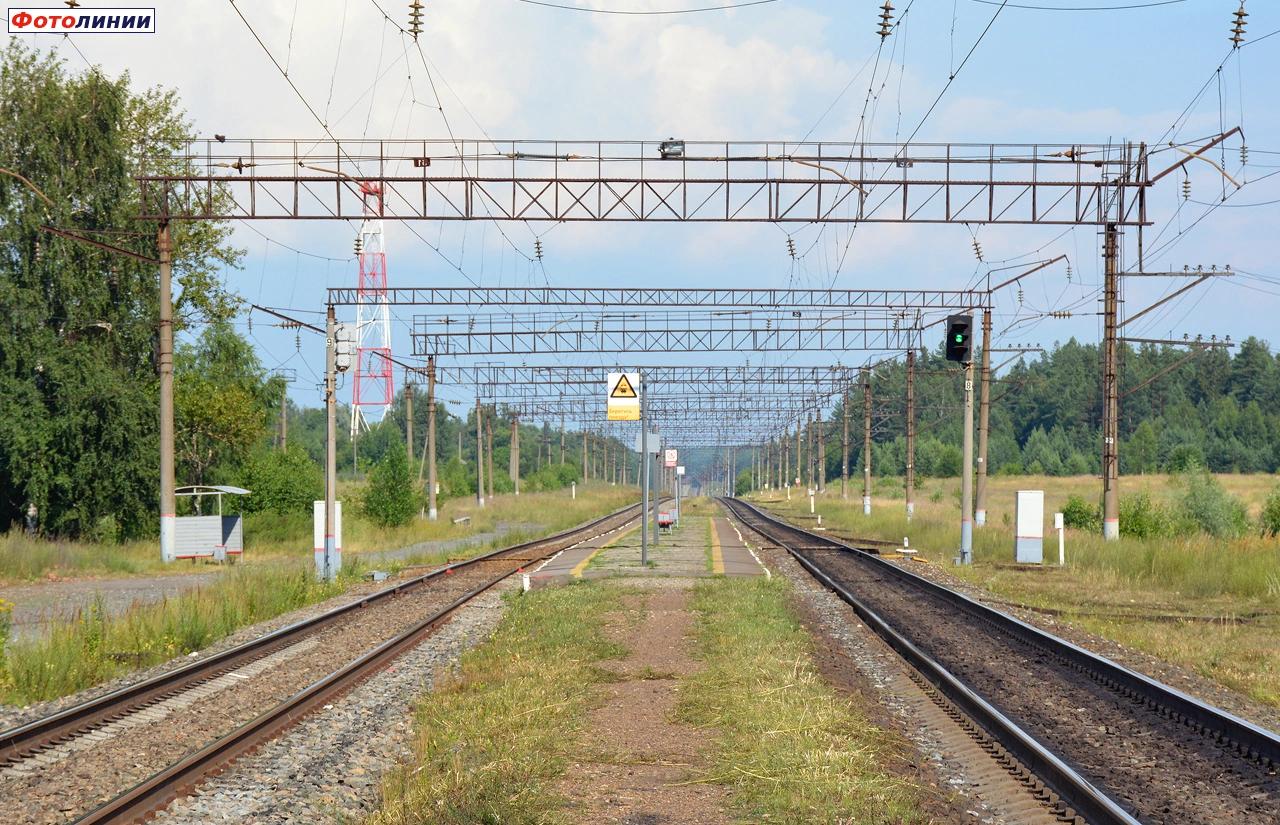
(129,753)
(1109,745)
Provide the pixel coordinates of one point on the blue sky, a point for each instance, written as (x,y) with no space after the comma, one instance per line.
(516,70)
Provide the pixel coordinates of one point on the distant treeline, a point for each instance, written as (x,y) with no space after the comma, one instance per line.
(1221,410)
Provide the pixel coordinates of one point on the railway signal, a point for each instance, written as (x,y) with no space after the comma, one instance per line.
(960,338)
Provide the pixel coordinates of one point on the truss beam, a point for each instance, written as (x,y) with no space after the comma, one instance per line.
(626,181)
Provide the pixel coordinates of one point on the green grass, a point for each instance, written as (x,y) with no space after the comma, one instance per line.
(791,748)
(1125,590)
(494,738)
(270,537)
(94,647)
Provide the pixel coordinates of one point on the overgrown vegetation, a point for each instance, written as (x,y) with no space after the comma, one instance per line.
(389,500)
(791,748)
(95,647)
(492,739)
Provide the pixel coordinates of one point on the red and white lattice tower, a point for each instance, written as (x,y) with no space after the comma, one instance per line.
(373,389)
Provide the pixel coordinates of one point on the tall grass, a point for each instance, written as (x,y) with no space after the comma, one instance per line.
(1195,564)
(790,747)
(94,646)
(278,537)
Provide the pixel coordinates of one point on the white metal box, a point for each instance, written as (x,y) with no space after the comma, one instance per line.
(1028,536)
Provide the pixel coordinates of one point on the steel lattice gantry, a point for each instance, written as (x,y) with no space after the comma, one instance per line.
(671,181)
(901,300)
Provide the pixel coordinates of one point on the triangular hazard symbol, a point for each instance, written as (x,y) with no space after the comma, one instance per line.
(623,389)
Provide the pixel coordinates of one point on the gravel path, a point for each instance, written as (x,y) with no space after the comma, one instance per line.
(328,768)
(38,604)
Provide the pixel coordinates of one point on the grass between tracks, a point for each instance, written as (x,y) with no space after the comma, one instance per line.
(93,646)
(791,748)
(493,739)
(1210,605)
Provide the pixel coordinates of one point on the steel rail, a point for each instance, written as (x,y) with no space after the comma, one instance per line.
(1248,739)
(19,742)
(1085,798)
(158,790)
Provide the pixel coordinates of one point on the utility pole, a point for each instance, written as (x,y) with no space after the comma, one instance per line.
(515,452)
(844,447)
(984,412)
(408,419)
(822,454)
(284,418)
(784,468)
(585,468)
(866,442)
(168,501)
(643,473)
(966,467)
(561,440)
(327,568)
(1111,385)
(799,430)
(653,475)
(432,513)
(911,434)
(479,453)
(492,417)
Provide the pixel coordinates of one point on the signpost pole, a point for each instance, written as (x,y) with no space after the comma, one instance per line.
(653,478)
(644,482)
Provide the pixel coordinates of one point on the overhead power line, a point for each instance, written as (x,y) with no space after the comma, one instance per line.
(648,12)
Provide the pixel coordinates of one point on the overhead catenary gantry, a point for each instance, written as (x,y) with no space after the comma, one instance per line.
(662,181)
(780,182)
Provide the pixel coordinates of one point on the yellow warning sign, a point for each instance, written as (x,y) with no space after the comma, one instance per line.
(623,388)
(623,396)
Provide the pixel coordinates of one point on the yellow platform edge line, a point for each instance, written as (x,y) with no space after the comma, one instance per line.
(717,555)
(576,572)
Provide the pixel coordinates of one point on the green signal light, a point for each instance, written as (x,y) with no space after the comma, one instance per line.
(959,338)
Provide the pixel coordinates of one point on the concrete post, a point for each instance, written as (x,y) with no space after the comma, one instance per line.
(966,468)
(432,512)
(514,469)
(984,411)
(866,442)
(1110,385)
(328,568)
(479,453)
(911,434)
(168,500)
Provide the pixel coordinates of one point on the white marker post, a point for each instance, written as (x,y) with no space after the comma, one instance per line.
(810,501)
(1062,551)
(573,490)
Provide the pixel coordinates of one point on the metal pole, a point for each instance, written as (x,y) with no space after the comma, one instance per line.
(822,454)
(515,452)
(799,428)
(644,481)
(432,512)
(284,418)
(653,478)
(1110,386)
(984,410)
(844,448)
(326,567)
(491,416)
(168,501)
(479,454)
(911,434)
(585,468)
(561,440)
(966,468)
(866,442)
(408,420)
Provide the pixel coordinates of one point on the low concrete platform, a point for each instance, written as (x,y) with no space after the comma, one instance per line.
(700,547)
